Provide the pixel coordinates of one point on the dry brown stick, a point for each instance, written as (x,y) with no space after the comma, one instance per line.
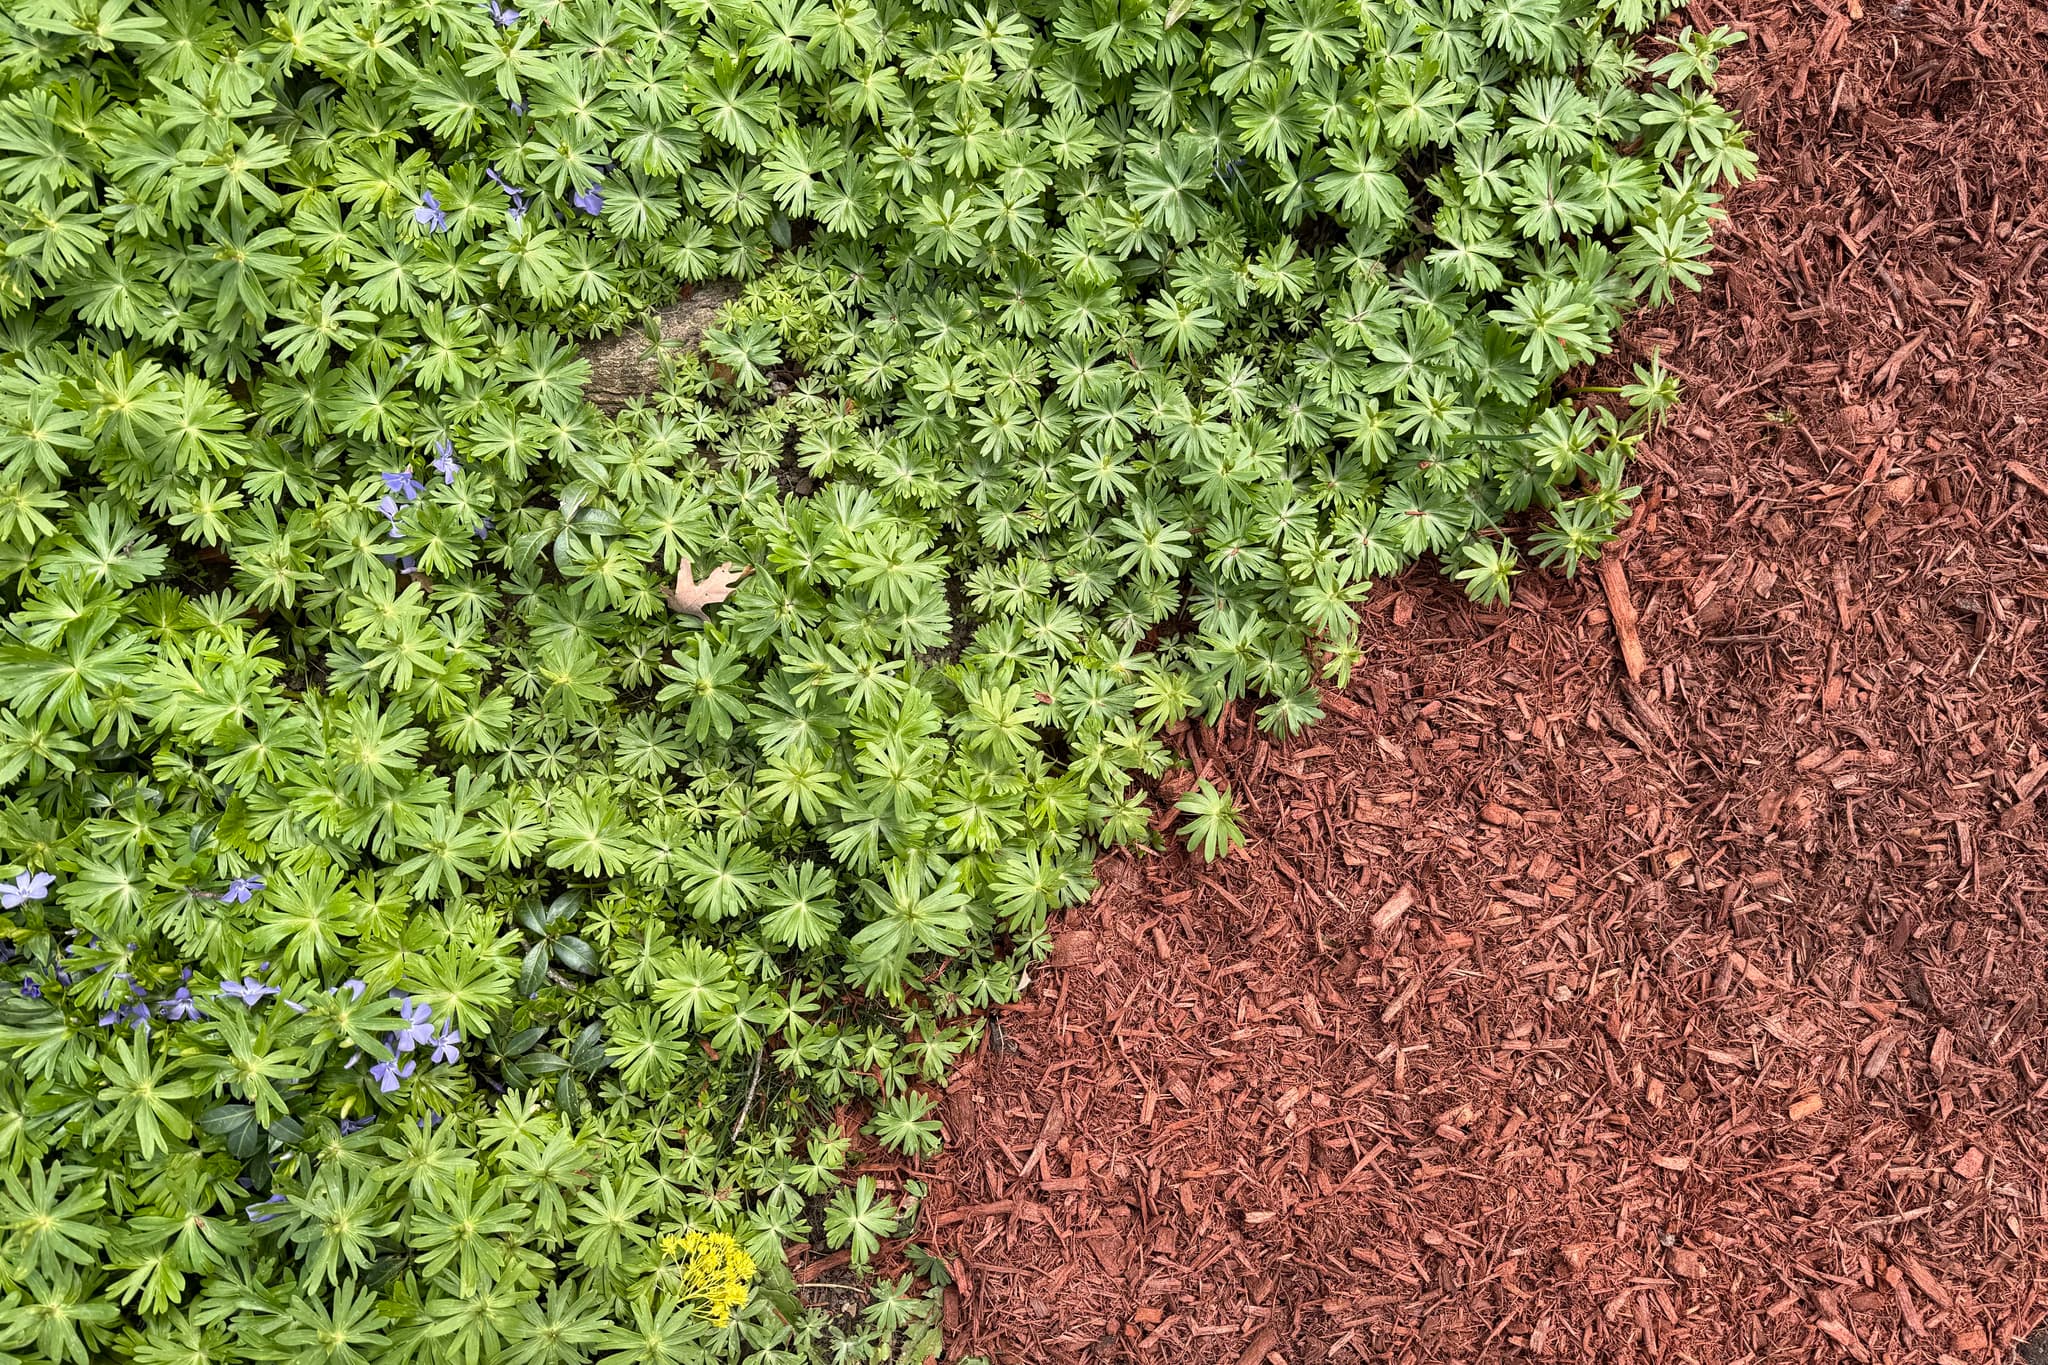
(748,1103)
(1623,613)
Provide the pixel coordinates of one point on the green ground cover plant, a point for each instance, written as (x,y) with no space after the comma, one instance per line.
(470,863)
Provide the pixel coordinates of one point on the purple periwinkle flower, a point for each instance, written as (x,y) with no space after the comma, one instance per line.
(355,1125)
(419,1024)
(388,506)
(354,987)
(408,565)
(591,201)
(30,989)
(402,483)
(29,886)
(444,460)
(483,528)
(444,1046)
(240,889)
(517,196)
(387,1075)
(429,214)
(248,990)
(518,108)
(504,16)
(256,1217)
(135,1016)
(181,1006)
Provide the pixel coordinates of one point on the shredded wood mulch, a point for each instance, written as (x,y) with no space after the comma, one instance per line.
(1554,1015)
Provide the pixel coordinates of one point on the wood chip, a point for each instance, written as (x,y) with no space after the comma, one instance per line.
(1389,914)
(2027,476)
(1622,613)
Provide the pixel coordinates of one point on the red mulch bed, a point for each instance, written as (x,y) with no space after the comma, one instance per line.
(1554,1016)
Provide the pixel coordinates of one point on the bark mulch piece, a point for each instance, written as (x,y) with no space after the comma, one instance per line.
(1554,1016)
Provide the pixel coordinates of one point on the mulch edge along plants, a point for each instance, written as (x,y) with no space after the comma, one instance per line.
(1554,1014)
(430,936)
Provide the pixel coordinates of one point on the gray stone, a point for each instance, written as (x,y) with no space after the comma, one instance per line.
(628,366)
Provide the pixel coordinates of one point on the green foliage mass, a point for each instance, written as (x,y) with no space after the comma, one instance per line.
(410,919)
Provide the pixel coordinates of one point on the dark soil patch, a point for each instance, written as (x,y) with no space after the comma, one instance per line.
(1554,1016)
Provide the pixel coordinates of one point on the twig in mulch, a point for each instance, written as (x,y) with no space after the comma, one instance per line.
(1622,612)
(752,1085)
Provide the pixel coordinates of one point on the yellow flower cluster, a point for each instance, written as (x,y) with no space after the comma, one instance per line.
(712,1271)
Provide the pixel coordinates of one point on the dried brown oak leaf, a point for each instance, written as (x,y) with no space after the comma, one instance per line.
(691,596)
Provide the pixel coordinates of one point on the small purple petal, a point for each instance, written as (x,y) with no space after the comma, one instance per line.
(29,886)
(402,483)
(389,1074)
(429,214)
(248,990)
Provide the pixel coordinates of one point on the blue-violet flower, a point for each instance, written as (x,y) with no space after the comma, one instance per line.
(29,886)
(429,214)
(248,990)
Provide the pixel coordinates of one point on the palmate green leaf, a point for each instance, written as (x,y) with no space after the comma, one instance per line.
(342,1330)
(48,1217)
(141,1092)
(335,1227)
(858,1218)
